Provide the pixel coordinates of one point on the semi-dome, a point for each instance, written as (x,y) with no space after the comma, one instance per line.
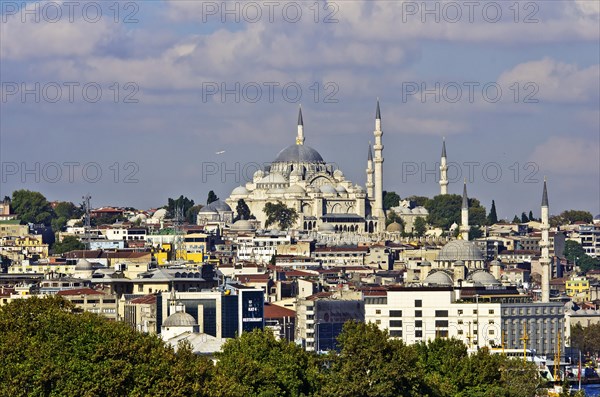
(484,278)
(440,278)
(159,214)
(240,190)
(460,250)
(328,189)
(207,210)
(273,177)
(180,319)
(299,154)
(341,189)
(83,264)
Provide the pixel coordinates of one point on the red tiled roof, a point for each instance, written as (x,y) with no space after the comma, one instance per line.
(80,291)
(144,300)
(342,249)
(274,311)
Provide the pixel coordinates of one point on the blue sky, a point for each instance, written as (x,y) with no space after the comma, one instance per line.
(158,137)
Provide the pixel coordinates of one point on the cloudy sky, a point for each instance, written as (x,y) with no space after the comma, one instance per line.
(131,101)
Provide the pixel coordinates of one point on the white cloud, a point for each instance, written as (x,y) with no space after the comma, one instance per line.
(568,156)
(557,81)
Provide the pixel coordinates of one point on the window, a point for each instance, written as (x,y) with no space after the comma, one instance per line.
(491,311)
(441,323)
(395,313)
(378,311)
(418,333)
(396,334)
(441,313)
(419,303)
(460,331)
(491,332)
(418,313)
(442,334)
(491,322)
(460,321)
(474,311)
(377,322)
(460,312)
(419,323)
(396,323)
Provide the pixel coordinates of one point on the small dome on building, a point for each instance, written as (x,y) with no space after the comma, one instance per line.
(159,214)
(240,190)
(207,210)
(179,319)
(440,278)
(242,225)
(296,189)
(394,227)
(83,265)
(338,174)
(460,250)
(484,278)
(220,206)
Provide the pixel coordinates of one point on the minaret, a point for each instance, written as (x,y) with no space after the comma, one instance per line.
(443,171)
(464,214)
(300,137)
(378,147)
(370,172)
(545,245)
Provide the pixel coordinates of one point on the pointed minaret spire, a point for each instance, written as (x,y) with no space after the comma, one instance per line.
(300,137)
(377,207)
(370,171)
(443,170)
(465,199)
(545,195)
(545,246)
(444,147)
(464,214)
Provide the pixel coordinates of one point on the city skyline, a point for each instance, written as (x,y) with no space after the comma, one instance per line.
(164,70)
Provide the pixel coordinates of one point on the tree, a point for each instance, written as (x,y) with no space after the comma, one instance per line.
(586,339)
(282,215)
(5,263)
(370,364)
(530,216)
(192,212)
(524,218)
(393,217)
(184,203)
(572,216)
(419,201)
(32,207)
(575,253)
(516,220)
(390,199)
(420,226)
(492,217)
(50,349)
(256,364)
(243,211)
(69,243)
(444,210)
(212,197)
(475,232)
(64,211)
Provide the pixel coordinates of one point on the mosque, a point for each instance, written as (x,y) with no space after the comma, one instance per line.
(323,198)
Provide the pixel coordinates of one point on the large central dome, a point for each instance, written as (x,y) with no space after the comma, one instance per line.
(299,154)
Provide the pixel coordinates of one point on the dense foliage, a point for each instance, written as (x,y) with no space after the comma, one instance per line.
(242,211)
(32,207)
(69,243)
(49,349)
(575,253)
(444,210)
(586,339)
(278,213)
